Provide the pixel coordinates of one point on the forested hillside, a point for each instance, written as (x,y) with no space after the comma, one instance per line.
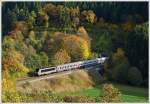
(44,34)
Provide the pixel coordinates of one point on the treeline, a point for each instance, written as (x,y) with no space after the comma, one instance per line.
(115,12)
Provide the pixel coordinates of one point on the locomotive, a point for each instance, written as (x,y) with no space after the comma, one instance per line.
(70,66)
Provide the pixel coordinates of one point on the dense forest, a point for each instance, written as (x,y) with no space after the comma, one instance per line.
(44,34)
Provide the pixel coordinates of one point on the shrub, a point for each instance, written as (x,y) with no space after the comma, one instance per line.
(134,76)
(120,72)
(79,99)
(110,94)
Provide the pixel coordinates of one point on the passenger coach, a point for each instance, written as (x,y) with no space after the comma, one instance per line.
(70,66)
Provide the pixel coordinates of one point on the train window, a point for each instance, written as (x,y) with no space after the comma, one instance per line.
(49,69)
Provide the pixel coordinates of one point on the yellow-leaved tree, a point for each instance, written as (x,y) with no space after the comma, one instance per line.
(13,62)
(76,47)
(83,34)
(61,57)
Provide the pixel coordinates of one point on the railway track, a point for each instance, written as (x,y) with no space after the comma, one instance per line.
(33,79)
(23,78)
(38,78)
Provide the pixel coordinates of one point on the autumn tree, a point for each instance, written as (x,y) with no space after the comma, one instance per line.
(22,27)
(88,16)
(51,10)
(35,60)
(110,94)
(13,62)
(31,40)
(128,26)
(65,18)
(8,43)
(61,57)
(83,34)
(53,43)
(43,18)
(76,47)
(31,19)
(75,16)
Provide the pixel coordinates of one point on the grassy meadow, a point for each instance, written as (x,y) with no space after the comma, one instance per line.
(128,93)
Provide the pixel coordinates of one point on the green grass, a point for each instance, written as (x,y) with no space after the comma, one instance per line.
(128,93)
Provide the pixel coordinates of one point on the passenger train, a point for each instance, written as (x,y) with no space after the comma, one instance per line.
(70,66)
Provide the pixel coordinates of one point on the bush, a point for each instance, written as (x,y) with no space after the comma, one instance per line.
(79,99)
(120,72)
(110,94)
(134,76)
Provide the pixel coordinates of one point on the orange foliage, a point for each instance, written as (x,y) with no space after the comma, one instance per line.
(13,61)
(51,9)
(76,47)
(88,16)
(61,57)
(21,26)
(83,33)
(110,93)
(74,12)
(16,34)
